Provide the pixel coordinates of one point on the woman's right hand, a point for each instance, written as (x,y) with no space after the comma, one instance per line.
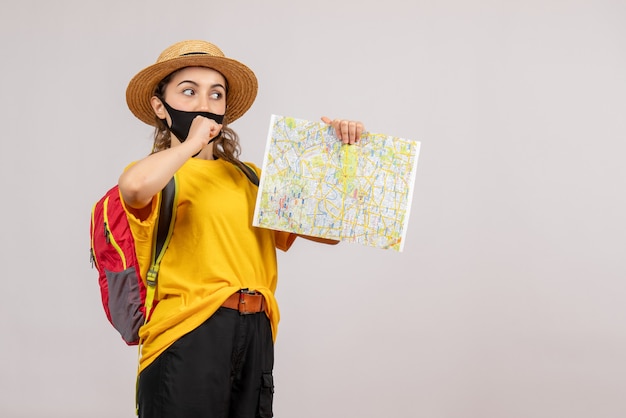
(201,132)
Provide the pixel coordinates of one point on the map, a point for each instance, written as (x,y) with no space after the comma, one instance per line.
(312,184)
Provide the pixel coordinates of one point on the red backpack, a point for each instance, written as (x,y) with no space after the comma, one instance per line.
(127,298)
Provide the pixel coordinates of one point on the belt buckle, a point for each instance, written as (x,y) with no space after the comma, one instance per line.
(242,301)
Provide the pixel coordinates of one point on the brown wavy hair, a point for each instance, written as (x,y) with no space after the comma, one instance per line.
(226,146)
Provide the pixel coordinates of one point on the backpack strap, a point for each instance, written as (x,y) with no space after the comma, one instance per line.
(250,173)
(166,215)
(162,235)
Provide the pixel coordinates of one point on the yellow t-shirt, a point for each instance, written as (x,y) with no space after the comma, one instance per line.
(214,251)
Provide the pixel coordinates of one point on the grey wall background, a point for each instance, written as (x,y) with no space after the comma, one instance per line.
(509,299)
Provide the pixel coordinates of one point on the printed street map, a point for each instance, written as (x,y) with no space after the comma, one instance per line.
(312,184)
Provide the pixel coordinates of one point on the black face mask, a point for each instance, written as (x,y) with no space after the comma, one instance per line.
(181,121)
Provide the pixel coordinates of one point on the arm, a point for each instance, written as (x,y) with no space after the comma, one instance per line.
(143,180)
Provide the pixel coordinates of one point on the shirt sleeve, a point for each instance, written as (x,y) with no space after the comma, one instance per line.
(284,239)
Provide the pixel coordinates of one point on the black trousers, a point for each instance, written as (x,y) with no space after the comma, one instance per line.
(222,369)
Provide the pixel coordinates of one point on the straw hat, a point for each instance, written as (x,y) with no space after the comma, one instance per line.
(242,83)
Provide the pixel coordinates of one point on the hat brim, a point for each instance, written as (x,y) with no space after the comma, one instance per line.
(242,84)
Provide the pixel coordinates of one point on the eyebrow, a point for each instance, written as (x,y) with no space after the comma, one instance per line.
(196,84)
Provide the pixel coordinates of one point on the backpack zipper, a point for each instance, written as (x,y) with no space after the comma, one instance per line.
(92,254)
(110,239)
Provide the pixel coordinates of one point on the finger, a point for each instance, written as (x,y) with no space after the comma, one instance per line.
(352,132)
(344,127)
(334,124)
(337,126)
(359,130)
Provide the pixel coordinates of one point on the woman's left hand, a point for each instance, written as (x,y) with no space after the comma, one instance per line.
(348,131)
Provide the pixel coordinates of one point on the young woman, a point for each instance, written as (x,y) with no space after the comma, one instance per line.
(208,347)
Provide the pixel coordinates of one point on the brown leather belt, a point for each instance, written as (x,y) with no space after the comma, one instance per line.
(245,302)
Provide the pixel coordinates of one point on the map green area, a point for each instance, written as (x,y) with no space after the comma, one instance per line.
(312,184)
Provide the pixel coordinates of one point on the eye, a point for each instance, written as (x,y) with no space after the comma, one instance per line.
(216,95)
(188,92)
